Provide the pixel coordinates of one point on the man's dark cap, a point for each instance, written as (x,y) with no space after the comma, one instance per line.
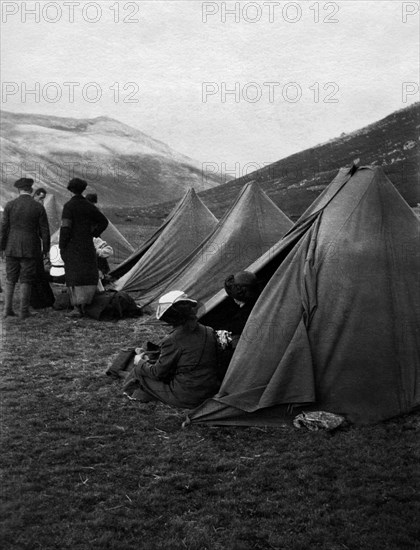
(77,185)
(24,183)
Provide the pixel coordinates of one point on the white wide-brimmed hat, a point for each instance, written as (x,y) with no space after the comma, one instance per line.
(169,299)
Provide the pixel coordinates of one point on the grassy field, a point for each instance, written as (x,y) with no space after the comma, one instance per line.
(83,468)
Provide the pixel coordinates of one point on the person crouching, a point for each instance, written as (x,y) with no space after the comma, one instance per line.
(184,374)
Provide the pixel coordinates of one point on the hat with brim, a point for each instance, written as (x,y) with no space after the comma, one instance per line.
(169,299)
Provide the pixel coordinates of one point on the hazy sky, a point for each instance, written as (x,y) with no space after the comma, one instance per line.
(304,72)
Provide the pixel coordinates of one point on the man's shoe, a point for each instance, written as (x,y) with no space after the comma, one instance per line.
(9,313)
(26,314)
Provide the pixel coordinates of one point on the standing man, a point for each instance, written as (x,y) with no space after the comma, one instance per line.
(24,225)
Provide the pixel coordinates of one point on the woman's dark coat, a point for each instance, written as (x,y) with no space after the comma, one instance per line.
(185,373)
(81,221)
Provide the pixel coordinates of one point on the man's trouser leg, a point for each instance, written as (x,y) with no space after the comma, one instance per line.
(25,298)
(27,276)
(8,301)
(12,275)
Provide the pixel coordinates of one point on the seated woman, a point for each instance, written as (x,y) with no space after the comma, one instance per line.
(244,289)
(184,374)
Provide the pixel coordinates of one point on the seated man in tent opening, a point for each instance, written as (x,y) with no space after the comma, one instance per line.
(244,289)
(185,371)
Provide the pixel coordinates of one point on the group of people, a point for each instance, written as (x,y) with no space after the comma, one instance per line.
(25,242)
(184,369)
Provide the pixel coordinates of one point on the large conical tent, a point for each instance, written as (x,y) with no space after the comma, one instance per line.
(160,257)
(338,324)
(53,212)
(252,226)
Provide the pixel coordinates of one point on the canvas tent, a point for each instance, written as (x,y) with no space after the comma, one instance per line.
(121,247)
(159,258)
(53,212)
(251,226)
(337,327)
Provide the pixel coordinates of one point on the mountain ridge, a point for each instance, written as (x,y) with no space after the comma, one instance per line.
(295,181)
(122,164)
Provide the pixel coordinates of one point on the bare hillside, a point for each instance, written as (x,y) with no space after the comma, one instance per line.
(123,165)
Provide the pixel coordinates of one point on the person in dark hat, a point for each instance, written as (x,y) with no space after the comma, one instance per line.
(39,195)
(185,372)
(24,229)
(244,289)
(92,197)
(81,221)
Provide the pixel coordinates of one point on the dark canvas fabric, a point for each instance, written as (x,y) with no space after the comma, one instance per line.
(112,305)
(250,228)
(125,266)
(159,259)
(338,324)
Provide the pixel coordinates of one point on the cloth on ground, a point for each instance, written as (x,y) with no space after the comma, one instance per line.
(112,305)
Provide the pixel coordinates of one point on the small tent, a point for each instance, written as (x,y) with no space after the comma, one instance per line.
(160,257)
(121,247)
(337,327)
(251,226)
